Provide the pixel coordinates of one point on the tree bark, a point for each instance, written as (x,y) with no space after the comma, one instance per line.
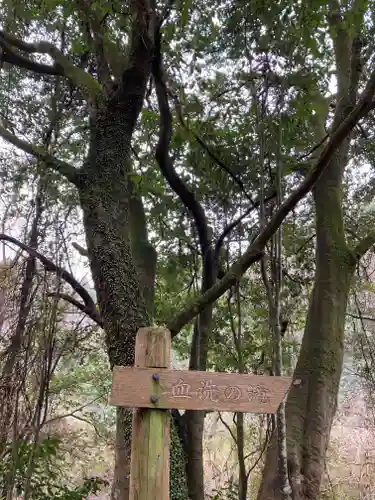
(240,443)
(123,268)
(104,195)
(194,420)
(311,408)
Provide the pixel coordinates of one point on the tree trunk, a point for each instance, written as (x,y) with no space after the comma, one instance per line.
(240,443)
(144,256)
(194,453)
(194,420)
(123,268)
(104,194)
(311,408)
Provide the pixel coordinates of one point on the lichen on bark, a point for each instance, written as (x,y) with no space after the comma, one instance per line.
(123,267)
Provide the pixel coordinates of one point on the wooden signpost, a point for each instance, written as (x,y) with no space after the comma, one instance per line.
(152,388)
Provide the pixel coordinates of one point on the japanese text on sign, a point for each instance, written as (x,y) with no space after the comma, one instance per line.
(164,389)
(210,392)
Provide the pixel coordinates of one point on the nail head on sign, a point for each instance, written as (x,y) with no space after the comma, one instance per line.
(153,399)
(155,377)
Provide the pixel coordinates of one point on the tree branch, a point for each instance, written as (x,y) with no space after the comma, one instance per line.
(164,160)
(82,251)
(64,168)
(92,313)
(364,245)
(89,304)
(198,358)
(135,75)
(89,87)
(73,412)
(256,249)
(356,316)
(227,428)
(229,228)
(16,59)
(210,153)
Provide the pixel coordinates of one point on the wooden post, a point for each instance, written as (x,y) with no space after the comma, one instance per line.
(149,472)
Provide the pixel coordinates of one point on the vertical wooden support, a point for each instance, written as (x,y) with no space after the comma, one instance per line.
(149,473)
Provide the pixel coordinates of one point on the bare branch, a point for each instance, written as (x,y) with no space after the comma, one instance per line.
(358,316)
(210,153)
(227,427)
(92,313)
(264,447)
(64,168)
(256,249)
(229,228)
(82,251)
(59,271)
(73,412)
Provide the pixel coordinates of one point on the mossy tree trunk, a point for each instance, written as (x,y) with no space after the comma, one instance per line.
(104,194)
(122,261)
(122,264)
(311,407)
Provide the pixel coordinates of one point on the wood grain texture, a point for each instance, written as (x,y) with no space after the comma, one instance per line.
(194,390)
(149,472)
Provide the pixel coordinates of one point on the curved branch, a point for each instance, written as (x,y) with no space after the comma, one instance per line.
(89,87)
(164,160)
(93,314)
(11,57)
(256,249)
(58,270)
(64,168)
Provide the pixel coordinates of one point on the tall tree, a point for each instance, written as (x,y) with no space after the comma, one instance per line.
(311,407)
(106,53)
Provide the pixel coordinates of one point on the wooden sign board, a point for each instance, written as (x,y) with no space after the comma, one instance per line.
(194,390)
